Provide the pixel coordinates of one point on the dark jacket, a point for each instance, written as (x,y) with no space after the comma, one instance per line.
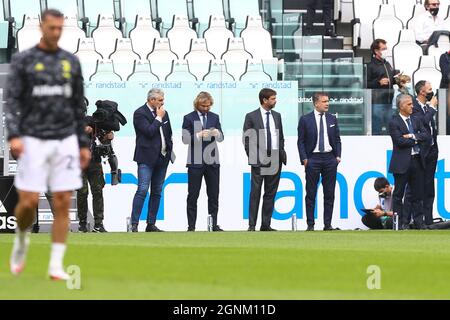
(193,125)
(148,137)
(307,135)
(444,64)
(427,118)
(401,155)
(377,70)
(254,120)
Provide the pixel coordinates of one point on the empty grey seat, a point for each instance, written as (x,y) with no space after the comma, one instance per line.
(105,71)
(142,72)
(161,58)
(198,58)
(217,36)
(105,35)
(180,35)
(123,58)
(180,72)
(218,72)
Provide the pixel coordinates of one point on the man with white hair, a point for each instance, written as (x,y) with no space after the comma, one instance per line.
(152,154)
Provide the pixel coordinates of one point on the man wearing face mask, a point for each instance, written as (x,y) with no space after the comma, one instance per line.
(428,22)
(380,77)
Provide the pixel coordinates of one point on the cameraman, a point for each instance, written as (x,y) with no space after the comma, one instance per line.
(94,175)
(381,216)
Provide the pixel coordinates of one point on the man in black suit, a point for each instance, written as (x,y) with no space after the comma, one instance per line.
(425,107)
(411,143)
(264,144)
(152,154)
(319,146)
(202,131)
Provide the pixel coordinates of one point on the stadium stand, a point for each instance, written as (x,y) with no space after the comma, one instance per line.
(30,33)
(417,11)
(142,72)
(180,72)
(123,58)
(239,10)
(427,71)
(143,35)
(203,10)
(406,53)
(104,71)
(180,35)
(218,72)
(387,26)
(71,33)
(217,36)
(165,10)
(91,10)
(18,9)
(403,9)
(88,56)
(161,58)
(198,58)
(105,35)
(365,13)
(130,9)
(236,57)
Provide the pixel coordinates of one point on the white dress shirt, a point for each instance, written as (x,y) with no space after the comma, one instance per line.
(273,130)
(414,137)
(326,142)
(426,24)
(161,133)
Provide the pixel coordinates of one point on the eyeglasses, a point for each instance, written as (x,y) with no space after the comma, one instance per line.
(434,4)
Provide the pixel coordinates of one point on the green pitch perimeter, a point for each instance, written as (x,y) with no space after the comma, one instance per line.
(239,265)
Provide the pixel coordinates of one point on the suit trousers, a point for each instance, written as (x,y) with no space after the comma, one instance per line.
(212,179)
(320,165)
(271,183)
(414,178)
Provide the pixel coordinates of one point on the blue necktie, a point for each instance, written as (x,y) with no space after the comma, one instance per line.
(411,130)
(269,135)
(321,135)
(204,121)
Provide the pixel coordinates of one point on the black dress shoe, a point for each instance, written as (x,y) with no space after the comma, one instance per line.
(310,228)
(216,228)
(191,229)
(152,228)
(267,229)
(251,229)
(134,228)
(330,228)
(404,227)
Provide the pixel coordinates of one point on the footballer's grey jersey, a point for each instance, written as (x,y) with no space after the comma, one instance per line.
(45,96)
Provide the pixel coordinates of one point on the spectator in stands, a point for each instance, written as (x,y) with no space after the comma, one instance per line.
(402,85)
(327,7)
(381,216)
(428,22)
(444,64)
(380,77)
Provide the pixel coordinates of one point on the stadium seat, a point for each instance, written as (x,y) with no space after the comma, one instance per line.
(105,72)
(180,72)
(218,72)
(254,71)
(67,7)
(217,36)
(443,45)
(167,9)
(180,35)
(203,10)
(4,30)
(346,11)
(143,36)
(387,26)
(123,58)
(92,9)
(403,9)
(258,40)
(18,9)
(198,58)
(130,9)
(71,34)
(105,35)
(142,72)
(444,9)
(88,56)
(161,58)
(427,71)
(406,53)
(236,57)
(417,11)
(239,10)
(365,13)
(30,33)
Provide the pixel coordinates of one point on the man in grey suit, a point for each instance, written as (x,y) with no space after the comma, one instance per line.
(264,144)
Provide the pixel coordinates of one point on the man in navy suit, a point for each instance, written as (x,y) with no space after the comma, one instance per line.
(202,131)
(152,154)
(263,140)
(411,143)
(319,146)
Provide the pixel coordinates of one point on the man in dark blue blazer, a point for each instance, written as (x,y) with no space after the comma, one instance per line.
(202,131)
(152,154)
(319,146)
(411,143)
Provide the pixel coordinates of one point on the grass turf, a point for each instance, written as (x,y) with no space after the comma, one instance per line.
(238,265)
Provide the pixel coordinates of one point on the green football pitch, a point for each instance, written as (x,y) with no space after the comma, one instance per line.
(240,265)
